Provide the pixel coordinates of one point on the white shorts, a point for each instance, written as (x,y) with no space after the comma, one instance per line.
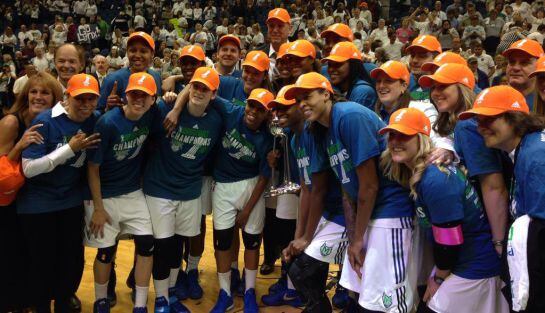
(329,242)
(287,206)
(424,255)
(388,282)
(229,198)
(129,214)
(206,194)
(457,294)
(170,217)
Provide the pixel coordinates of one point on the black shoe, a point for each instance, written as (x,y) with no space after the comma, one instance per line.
(74,304)
(266,269)
(112,296)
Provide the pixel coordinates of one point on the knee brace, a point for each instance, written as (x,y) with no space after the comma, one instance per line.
(251,242)
(161,258)
(309,277)
(106,255)
(223,238)
(143,245)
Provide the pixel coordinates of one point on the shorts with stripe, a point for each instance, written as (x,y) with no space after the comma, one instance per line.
(388,275)
(329,242)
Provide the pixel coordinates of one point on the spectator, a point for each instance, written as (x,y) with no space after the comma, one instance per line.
(493,26)
(101,67)
(484,61)
(392,47)
(199,37)
(139,21)
(446,34)
(7,80)
(404,33)
(39,61)
(438,12)
(23,34)
(91,9)
(30,70)
(365,13)
(121,22)
(210,12)
(499,70)
(523,8)
(114,60)
(355,19)
(197,12)
(474,31)
(379,33)
(187,13)
(367,54)
(8,41)
(380,56)
(539,34)
(258,40)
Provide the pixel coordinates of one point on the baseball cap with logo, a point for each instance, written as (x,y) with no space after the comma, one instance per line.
(282,50)
(308,81)
(426,42)
(207,76)
(193,51)
(258,60)
(144,36)
(339,29)
(343,51)
(443,58)
(142,81)
(497,100)
(261,95)
(394,70)
(82,83)
(450,73)
(280,99)
(528,46)
(301,48)
(408,121)
(229,38)
(540,67)
(279,14)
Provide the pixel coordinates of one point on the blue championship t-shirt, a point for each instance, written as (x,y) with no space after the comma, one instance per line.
(120,151)
(61,188)
(312,158)
(122,78)
(242,152)
(232,89)
(174,172)
(351,140)
(449,197)
(529,190)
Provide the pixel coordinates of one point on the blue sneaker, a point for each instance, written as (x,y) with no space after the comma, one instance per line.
(235,280)
(288,297)
(280,286)
(224,303)
(181,286)
(101,306)
(250,304)
(140,310)
(161,305)
(178,307)
(340,298)
(242,286)
(193,288)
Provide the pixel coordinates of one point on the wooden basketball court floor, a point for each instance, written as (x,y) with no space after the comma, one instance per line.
(208,280)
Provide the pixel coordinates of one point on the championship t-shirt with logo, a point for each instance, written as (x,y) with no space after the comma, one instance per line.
(242,152)
(445,195)
(351,140)
(232,89)
(119,153)
(61,188)
(175,171)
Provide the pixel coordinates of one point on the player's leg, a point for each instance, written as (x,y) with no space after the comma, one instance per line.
(309,277)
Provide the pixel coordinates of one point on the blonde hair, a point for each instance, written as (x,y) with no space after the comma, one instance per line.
(446,121)
(41,78)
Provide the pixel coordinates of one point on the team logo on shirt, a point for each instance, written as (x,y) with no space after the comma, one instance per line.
(340,160)
(325,250)
(80,161)
(245,150)
(198,141)
(387,300)
(130,143)
(303,163)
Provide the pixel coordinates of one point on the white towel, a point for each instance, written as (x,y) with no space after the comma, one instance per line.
(517,259)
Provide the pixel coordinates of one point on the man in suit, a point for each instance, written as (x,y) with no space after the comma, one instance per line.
(101,68)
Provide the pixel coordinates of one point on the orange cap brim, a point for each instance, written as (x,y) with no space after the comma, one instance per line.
(481,111)
(335,58)
(141,88)
(298,54)
(222,41)
(191,56)
(536,72)
(507,52)
(254,65)
(427,81)
(135,37)
(81,91)
(277,18)
(281,102)
(259,101)
(398,128)
(205,82)
(429,66)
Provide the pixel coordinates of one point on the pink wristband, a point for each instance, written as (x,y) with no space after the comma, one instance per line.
(448,236)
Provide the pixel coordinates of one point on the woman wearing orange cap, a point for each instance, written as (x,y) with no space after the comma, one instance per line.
(50,203)
(539,74)
(284,76)
(301,56)
(40,93)
(466,274)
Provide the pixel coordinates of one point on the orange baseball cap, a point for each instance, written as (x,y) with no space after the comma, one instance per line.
(343,51)
(279,14)
(229,38)
(443,58)
(339,29)
(282,50)
(301,48)
(82,83)
(207,76)
(540,67)
(450,73)
(408,121)
(280,99)
(142,35)
(497,100)
(394,70)
(11,180)
(261,95)
(528,46)
(426,42)
(142,81)
(258,60)
(308,81)
(193,51)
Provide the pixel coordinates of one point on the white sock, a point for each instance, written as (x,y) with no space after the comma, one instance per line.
(173,277)
(290,284)
(161,287)
(234,264)
(250,276)
(225,282)
(192,263)
(101,291)
(141,296)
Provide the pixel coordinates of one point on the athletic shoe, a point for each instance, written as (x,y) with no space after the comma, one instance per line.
(242,286)
(140,310)
(250,304)
(101,306)
(235,280)
(224,303)
(178,293)
(74,304)
(181,286)
(178,307)
(288,297)
(112,296)
(340,298)
(266,268)
(161,305)
(280,286)
(193,288)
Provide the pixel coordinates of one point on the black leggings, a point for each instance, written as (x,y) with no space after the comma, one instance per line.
(309,277)
(55,248)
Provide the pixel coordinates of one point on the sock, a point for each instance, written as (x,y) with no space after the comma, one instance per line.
(141,296)
(290,284)
(250,278)
(173,276)
(192,263)
(225,282)
(234,264)
(161,287)
(101,291)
